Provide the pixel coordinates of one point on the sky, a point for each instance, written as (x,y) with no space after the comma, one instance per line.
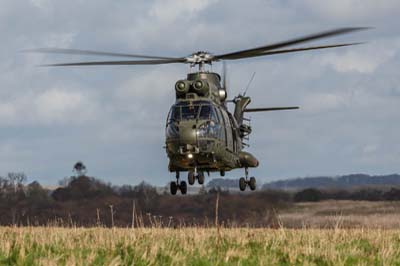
(113,117)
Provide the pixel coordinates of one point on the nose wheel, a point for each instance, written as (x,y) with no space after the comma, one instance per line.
(244,182)
(193,175)
(178,185)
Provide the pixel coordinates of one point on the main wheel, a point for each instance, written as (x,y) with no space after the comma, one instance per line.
(191,178)
(200,178)
(173,187)
(242,184)
(183,187)
(252,183)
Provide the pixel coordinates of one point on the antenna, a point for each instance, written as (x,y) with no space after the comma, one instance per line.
(248,85)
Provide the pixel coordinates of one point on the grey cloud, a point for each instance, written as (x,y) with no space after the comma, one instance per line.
(110,117)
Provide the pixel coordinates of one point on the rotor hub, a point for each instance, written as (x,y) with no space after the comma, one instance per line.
(200,57)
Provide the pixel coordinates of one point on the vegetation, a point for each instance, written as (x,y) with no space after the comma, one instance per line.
(141,225)
(337,182)
(342,213)
(368,194)
(197,246)
(86,201)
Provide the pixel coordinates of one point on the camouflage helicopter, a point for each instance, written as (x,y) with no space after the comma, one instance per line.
(202,135)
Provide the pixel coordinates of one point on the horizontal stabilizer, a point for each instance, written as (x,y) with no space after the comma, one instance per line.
(270,109)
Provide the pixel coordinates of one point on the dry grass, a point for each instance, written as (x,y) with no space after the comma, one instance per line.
(197,246)
(343,214)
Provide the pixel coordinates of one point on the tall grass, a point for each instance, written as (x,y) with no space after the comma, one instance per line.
(197,246)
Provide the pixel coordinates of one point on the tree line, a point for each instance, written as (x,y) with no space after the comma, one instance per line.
(87,201)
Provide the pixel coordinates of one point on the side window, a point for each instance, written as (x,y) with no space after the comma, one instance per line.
(174,114)
(169,116)
(214,116)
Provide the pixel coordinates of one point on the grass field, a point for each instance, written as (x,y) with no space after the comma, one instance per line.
(342,213)
(197,246)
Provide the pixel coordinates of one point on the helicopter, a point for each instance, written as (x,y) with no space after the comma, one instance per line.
(202,135)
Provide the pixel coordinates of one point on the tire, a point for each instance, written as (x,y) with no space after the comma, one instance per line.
(242,184)
(173,187)
(252,183)
(191,178)
(200,178)
(183,188)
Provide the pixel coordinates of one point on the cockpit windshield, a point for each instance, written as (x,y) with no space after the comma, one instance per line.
(190,112)
(202,110)
(208,113)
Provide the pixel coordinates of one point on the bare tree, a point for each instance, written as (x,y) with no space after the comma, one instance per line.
(16,180)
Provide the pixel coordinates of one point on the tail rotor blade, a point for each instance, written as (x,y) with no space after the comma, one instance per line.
(251,110)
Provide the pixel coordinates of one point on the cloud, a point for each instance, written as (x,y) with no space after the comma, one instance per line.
(352,10)
(113,118)
(324,102)
(40,3)
(168,11)
(362,59)
(52,107)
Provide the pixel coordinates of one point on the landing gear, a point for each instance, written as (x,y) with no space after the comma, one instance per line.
(193,175)
(252,183)
(183,187)
(191,178)
(175,186)
(244,182)
(200,178)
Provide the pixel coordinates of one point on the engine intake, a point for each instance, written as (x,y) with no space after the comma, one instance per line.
(182,87)
(200,87)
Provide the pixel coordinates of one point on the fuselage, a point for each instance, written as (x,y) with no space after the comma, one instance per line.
(201,133)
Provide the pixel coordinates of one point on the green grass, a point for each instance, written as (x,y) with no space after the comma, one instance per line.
(197,246)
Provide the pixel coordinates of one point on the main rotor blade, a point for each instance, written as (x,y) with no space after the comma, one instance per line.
(262,49)
(88,52)
(249,110)
(297,50)
(104,63)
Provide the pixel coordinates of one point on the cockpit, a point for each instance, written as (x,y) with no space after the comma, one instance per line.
(205,117)
(195,110)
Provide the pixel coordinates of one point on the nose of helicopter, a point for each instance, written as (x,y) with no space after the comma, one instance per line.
(187,133)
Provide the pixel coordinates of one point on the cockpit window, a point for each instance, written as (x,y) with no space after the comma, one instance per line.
(205,112)
(190,112)
(194,110)
(175,114)
(208,113)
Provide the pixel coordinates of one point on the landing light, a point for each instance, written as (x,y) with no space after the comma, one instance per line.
(190,156)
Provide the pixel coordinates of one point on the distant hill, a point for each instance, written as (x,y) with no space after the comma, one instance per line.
(223,183)
(339,182)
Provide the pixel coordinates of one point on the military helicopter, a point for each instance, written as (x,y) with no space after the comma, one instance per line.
(202,135)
